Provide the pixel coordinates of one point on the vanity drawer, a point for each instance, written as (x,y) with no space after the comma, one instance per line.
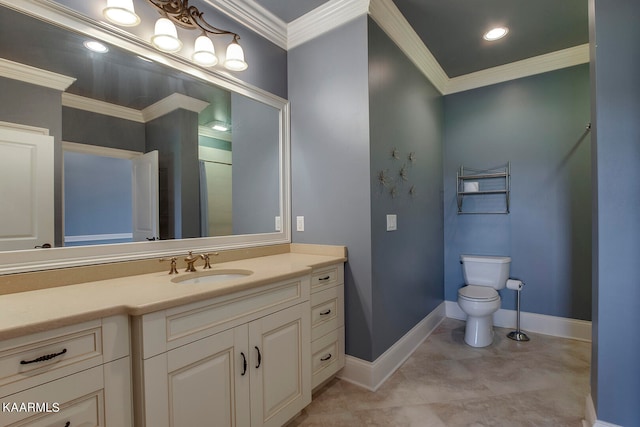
(165,330)
(327,356)
(37,358)
(327,311)
(327,277)
(76,400)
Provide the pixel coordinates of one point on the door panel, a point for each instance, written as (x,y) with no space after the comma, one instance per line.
(26,190)
(145,196)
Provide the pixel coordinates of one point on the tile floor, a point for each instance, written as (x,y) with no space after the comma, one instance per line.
(542,382)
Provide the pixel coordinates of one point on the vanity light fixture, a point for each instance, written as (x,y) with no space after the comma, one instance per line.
(165,38)
(495,33)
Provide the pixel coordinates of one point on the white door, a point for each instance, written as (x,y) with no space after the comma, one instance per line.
(219,200)
(26,190)
(146,216)
(280,365)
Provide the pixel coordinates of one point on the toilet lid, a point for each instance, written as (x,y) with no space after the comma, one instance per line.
(484,293)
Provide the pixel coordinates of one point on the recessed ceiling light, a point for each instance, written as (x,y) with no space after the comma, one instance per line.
(220,126)
(495,33)
(96,46)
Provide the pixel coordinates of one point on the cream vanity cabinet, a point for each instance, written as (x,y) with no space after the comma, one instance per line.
(241,359)
(327,322)
(76,375)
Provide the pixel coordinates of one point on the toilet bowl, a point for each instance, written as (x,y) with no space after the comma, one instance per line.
(479,299)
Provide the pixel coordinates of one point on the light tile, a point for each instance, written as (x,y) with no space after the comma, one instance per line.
(446,383)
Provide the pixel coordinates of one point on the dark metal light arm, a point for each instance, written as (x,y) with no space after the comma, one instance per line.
(188,17)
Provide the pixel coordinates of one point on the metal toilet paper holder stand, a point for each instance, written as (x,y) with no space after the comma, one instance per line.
(518,335)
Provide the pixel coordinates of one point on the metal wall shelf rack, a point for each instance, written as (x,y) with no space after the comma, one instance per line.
(500,183)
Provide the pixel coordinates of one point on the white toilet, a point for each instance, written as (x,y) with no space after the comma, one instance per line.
(479,299)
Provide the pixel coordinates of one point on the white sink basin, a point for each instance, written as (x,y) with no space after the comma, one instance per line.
(212,276)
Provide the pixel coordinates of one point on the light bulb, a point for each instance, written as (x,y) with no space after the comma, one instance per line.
(234,60)
(165,37)
(121,12)
(203,52)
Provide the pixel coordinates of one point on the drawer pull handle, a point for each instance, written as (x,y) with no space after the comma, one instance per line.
(259,357)
(325,358)
(324,278)
(244,364)
(324,313)
(43,358)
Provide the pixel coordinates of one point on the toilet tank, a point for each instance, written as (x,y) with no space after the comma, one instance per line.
(490,271)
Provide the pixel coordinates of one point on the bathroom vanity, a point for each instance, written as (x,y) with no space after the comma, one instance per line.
(159,350)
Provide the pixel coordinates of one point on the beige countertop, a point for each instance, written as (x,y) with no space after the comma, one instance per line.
(38,310)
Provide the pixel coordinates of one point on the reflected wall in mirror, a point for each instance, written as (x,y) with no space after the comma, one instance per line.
(211,181)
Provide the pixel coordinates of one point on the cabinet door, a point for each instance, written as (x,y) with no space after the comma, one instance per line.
(199,384)
(280,365)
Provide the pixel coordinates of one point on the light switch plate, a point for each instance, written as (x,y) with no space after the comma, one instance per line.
(392,222)
(299,223)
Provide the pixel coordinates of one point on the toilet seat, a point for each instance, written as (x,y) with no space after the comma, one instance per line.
(478,293)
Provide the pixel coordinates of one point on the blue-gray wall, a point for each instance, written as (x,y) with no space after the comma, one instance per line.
(175,136)
(85,127)
(330,183)
(345,119)
(615,371)
(256,165)
(405,113)
(539,125)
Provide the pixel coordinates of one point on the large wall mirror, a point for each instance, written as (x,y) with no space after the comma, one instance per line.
(150,157)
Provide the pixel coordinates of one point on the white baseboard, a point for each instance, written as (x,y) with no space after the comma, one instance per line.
(372,375)
(532,322)
(591,419)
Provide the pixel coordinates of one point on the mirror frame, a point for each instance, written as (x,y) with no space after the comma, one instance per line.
(44,259)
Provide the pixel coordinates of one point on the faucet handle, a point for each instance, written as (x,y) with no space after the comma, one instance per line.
(207,260)
(174,269)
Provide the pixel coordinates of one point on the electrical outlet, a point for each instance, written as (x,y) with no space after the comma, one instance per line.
(278,224)
(299,223)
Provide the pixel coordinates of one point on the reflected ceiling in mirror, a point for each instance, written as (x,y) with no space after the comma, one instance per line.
(232,184)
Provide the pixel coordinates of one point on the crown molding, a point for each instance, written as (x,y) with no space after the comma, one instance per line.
(393,23)
(324,19)
(28,74)
(165,106)
(250,14)
(172,103)
(98,150)
(527,67)
(100,107)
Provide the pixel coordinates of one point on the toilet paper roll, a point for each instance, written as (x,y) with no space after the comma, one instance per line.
(516,285)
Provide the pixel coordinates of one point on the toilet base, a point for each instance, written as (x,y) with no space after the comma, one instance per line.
(479,331)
